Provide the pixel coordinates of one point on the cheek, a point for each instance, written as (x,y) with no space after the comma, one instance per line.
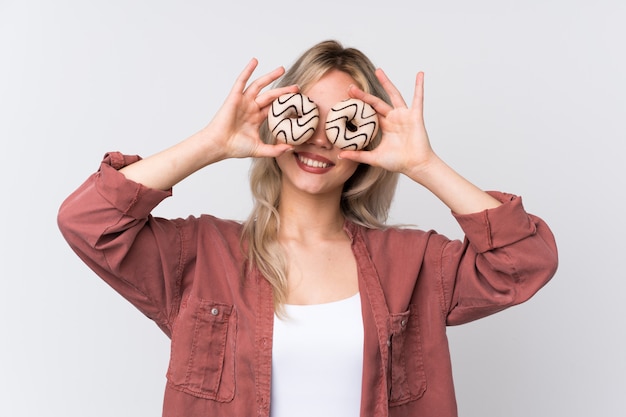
(349,168)
(283,159)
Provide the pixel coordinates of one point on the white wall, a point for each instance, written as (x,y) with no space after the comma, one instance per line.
(527,97)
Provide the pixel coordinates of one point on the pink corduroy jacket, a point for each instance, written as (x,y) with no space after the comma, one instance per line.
(189,276)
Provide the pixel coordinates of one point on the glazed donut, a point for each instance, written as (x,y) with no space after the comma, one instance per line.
(351,124)
(293,118)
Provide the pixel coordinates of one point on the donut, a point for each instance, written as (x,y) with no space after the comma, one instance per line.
(293,118)
(351,124)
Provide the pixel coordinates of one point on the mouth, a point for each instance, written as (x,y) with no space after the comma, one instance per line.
(313,161)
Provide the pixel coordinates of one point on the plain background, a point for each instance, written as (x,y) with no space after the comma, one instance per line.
(527,97)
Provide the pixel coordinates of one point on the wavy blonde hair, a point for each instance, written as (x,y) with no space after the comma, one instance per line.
(367,195)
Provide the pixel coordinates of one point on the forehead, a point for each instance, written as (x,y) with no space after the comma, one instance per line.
(331,88)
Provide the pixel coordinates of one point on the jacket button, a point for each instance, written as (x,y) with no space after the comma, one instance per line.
(215,311)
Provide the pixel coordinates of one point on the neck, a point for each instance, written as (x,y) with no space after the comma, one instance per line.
(309,218)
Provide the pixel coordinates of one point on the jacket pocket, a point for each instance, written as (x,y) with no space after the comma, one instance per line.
(406,374)
(202,361)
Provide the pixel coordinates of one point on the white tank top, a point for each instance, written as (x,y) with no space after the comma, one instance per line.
(317,360)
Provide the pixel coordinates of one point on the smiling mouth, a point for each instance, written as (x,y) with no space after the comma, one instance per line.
(312,162)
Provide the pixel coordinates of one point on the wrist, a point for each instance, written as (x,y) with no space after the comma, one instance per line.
(426,169)
(205,148)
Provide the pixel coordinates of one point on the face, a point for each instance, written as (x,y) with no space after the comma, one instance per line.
(314,166)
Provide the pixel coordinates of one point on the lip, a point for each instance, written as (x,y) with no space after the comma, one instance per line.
(313,157)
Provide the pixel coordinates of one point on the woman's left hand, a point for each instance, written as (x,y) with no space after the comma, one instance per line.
(405,146)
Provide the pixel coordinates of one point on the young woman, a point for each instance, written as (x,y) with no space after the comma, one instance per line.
(312,306)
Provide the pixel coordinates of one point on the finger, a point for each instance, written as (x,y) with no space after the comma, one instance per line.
(267,98)
(272,151)
(418,94)
(363,157)
(381,106)
(244,76)
(260,83)
(390,88)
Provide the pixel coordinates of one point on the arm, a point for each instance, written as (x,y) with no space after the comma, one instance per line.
(107,220)
(507,254)
(107,223)
(506,257)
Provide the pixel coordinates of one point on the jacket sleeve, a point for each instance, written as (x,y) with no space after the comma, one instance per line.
(506,257)
(107,222)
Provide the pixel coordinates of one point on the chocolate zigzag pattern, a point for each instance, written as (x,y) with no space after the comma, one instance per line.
(297,122)
(363,133)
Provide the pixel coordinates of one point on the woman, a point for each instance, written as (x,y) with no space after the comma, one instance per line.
(312,306)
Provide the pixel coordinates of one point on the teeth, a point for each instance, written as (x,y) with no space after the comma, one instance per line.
(313,163)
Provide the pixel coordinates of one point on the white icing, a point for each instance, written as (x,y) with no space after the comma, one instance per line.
(293,118)
(351,124)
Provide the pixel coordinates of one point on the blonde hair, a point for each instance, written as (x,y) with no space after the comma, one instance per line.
(367,195)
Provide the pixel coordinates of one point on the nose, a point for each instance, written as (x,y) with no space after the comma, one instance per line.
(319,137)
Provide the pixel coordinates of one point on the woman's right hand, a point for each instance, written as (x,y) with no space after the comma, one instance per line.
(232,133)
(235,127)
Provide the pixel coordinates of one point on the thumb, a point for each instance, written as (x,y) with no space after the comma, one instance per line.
(272,151)
(364,157)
